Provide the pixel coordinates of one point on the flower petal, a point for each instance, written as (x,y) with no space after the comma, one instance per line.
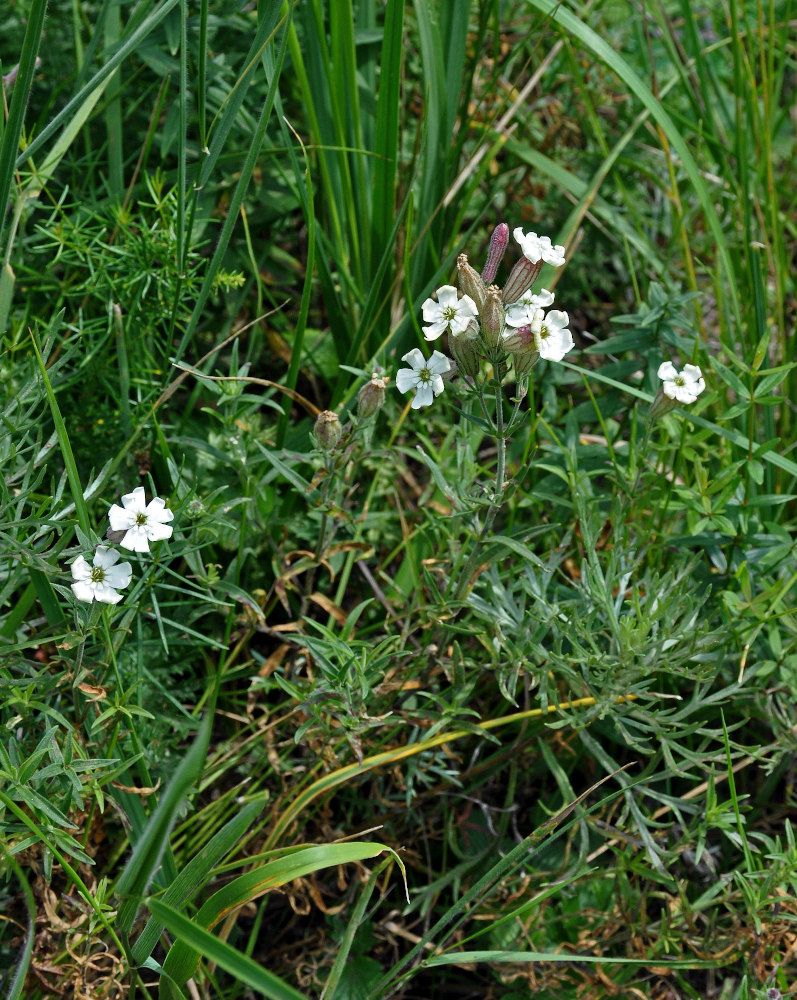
(431,310)
(136,539)
(406,379)
(423,397)
(156,510)
(105,557)
(134,501)
(157,532)
(438,363)
(667,370)
(120,518)
(81,571)
(435,330)
(119,576)
(415,359)
(83,591)
(557,319)
(447,296)
(106,594)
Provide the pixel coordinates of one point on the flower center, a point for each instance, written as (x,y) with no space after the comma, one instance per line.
(449,313)
(679,380)
(141,518)
(97,574)
(544,332)
(424,375)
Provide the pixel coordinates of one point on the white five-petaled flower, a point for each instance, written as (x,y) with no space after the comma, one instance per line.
(684,386)
(522,312)
(537,248)
(450,313)
(551,334)
(141,524)
(100,581)
(423,376)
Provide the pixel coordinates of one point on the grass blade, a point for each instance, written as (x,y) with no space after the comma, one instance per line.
(195,874)
(147,853)
(19,99)
(182,961)
(603,51)
(244,969)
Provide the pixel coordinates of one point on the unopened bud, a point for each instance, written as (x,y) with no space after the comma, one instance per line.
(662,405)
(371,397)
(523,276)
(327,430)
(194,509)
(465,349)
(523,345)
(470,281)
(493,317)
(495,254)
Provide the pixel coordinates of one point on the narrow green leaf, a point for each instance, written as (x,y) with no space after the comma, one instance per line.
(182,960)
(195,874)
(599,47)
(19,99)
(244,969)
(63,437)
(48,599)
(145,859)
(126,49)
(457,957)
(18,973)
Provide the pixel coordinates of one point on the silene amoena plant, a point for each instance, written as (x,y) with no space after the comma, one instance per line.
(496,333)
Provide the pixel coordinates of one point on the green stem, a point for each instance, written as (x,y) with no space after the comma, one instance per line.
(500,475)
(321,544)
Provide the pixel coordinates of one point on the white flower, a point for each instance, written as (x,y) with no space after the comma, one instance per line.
(522,312)
(423,376)
(536,248)
(550,331)
(683,386)
(100,581)
(449,313)
(141,524)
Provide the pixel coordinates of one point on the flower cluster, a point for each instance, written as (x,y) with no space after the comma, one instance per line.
(133,525)
(488,322)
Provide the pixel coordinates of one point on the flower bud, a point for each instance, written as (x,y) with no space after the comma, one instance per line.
(327,430)
(662,405)
(493,317)
(523,276)
(495,254)
(465,349)
(371,397)
(194,509)
(522,344)
(470,281)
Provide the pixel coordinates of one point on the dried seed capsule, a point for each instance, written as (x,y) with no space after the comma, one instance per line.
(327,430)
(470,281)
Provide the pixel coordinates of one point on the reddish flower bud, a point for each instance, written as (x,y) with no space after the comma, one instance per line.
(523,276)
(495,254)
(523,346)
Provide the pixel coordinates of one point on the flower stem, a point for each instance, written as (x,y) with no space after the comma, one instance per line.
(323,529)
(500,475)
